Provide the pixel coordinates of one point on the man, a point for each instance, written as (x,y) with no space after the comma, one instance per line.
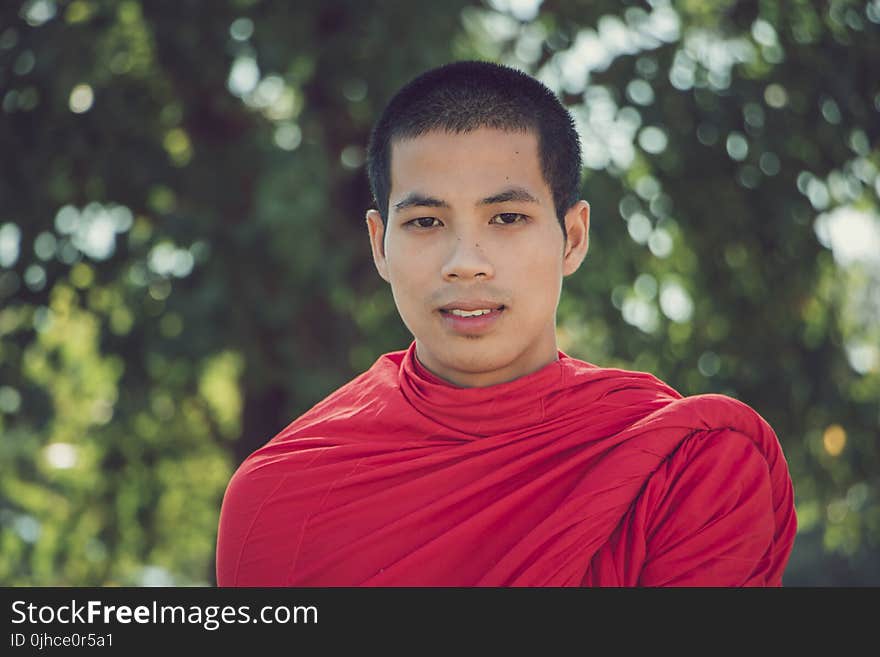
(482,455)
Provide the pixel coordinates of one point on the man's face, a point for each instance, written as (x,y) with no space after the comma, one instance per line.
(472,225)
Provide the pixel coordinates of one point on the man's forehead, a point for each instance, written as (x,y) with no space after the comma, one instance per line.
(483,166)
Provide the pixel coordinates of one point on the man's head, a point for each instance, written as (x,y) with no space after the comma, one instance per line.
(463,96)
(474,168)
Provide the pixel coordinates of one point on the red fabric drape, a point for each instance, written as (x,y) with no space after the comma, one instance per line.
(572,475)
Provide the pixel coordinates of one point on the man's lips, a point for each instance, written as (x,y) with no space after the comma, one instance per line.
(473,324)
(489,308)
(475,304)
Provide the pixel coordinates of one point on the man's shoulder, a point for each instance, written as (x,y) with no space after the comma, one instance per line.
(708,423)
(616,385)
(699,411)
(712,411)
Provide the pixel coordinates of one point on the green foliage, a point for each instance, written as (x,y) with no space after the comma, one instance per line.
(184,266)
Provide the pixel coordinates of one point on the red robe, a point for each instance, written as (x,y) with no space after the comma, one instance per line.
(574,475)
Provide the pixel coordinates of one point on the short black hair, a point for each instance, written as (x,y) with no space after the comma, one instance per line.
(464,96)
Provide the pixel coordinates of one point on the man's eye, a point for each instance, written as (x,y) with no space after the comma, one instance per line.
(509,218)
(422,222)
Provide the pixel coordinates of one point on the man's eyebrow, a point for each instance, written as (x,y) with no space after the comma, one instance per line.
(415,199)
(510,194)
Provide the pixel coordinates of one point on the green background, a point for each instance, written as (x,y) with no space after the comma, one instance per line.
(184,266)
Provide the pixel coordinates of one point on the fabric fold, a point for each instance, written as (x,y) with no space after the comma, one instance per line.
(557,478)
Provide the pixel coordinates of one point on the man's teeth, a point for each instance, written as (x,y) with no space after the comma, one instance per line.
(470,313)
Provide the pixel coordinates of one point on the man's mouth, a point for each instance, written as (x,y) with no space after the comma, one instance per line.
(458,312)
(471,321)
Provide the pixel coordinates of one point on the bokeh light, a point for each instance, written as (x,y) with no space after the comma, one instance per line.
(81,98)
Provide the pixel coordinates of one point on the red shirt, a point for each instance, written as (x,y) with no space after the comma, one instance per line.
(572,475)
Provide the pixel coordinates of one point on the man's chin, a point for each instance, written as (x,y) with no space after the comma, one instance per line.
(469,357)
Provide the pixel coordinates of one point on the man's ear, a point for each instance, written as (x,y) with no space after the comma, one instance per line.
(376,228)
(577,228)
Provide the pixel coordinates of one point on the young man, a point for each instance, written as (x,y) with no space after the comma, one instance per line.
(482,455)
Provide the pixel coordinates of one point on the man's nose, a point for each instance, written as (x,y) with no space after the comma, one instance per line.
(467,260)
